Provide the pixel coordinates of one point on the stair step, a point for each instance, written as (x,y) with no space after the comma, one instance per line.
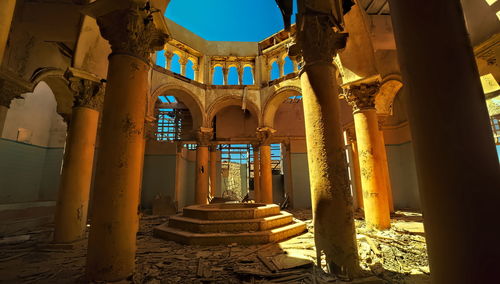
(244,238)
(231,211)
(239,225)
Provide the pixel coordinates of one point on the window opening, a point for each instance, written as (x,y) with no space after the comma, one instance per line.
(218,77)
(248,76)
(288,67)
(232,77)
(275,71)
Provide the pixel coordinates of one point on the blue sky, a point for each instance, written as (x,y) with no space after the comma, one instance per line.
(226,20)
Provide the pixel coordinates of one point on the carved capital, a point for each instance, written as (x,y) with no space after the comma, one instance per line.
(265,134)
(204,136)
(183,60)
(132,31)
(89,90)
(361,96)
(317,41)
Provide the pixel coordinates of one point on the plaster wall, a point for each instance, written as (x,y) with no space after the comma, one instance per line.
(289,120)
(481,19)
(233,122)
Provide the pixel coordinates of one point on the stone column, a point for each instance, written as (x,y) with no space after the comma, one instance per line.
(225,72)
(183,62)
(76,175)
(266,176)
(356,179)
(455,155)
(329,178)
(168,60)
(240,75)
(112,240)
(385,163)
(281,66)
(256,172)
(196,69)
(7,8)
(213,170)
(362,99)
(204,135)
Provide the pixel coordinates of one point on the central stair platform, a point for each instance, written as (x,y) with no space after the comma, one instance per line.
(227,223)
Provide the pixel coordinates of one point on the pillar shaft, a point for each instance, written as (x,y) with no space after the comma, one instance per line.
(357,174)
(7,8)
(385,169)
(201,194)
(328,174)
(256,174)
(112,239)
(373,181)
(225,73)
(455,155)
(266,177)
(213,170)
(76,176)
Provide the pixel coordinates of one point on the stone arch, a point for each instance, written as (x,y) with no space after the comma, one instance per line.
(55,79)
(274,101)
(187,97)
(231,100)
(390,87)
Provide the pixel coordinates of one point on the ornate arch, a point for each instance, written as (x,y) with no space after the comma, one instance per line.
(230,100)
(185,96)
(273,103)
(391,85)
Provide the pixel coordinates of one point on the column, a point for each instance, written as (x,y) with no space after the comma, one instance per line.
(225,72)
(183,62)
(455,155)
(240,75)
(168,60)
(281,66)
(256,173)
(266,175)
(7,8)
(112,240)
(76,175)
(385,164)
(196,70)
(362,99)
(356,179)
(204,135)
(213,170)
(328,173)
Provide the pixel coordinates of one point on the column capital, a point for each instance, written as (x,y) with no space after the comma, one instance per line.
(168,54)
(361,96)
(265,134)
(183,60)
(204,135)
(88,88)
(129,29)
(317,42)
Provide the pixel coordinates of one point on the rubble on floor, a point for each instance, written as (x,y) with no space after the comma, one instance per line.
(394,256)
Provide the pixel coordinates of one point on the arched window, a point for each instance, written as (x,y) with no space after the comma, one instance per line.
(288,67)
(176,66)
(248,76)
(275,71)
(218,77)
(232,78)
(190,70)
(160,58)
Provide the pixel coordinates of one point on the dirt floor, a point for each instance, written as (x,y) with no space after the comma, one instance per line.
(394,256)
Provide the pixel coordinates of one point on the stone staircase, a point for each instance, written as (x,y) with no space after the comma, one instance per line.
(227,223)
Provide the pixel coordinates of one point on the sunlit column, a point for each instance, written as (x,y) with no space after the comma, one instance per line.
(371,161)
(266,175)
(183,62)
(225,73)
(7,8)
(281,67)
(240,75)
(112,239)
(328,173)
(203,137)
(76,175)
(168,60)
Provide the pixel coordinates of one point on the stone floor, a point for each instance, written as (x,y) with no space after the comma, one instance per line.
(394,256)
